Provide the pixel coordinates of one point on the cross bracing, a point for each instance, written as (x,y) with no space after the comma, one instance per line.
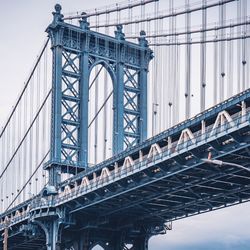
(103,107)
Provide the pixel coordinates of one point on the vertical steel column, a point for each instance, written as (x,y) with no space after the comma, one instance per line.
(143,105)
(84,242)
(143,82)
(118,133)
(84,94)
(56,97)
(52,235)
(141,243)
(5,237)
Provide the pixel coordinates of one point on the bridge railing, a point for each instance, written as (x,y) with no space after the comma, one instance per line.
(77,189)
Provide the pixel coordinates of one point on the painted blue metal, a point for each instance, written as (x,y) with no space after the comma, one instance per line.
(174,185)
(130,204)
(75,51)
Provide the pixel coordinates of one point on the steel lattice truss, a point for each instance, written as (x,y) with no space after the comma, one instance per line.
(76,51)
(70,106)
(131,107)
(123,201)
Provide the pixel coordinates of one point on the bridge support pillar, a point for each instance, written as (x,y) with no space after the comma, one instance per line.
(115,244)
(141,243)
(84,243)
(53,236)
(53,230)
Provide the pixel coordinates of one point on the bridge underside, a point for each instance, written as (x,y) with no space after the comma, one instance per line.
(170,190)
(188,193)
(30,242)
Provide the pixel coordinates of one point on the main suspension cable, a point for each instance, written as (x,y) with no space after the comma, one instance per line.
(27,132)
(174,14)
(25,87)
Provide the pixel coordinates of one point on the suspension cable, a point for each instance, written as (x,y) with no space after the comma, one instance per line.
(183,12)
(117,8)
(198,42)
(27,132)
(25,86)
(98,73)
(231,25)
(27,182)
(110,94)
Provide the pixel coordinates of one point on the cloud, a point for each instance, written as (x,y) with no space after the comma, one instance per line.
(243,245)
(223,229)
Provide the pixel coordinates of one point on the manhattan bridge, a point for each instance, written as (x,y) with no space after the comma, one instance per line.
(133,116)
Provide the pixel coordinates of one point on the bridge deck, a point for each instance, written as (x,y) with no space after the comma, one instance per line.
(169,185)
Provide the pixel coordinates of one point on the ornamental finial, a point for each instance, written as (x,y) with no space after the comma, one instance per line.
(118,33)
(84,24)
(58,17)
(142,39)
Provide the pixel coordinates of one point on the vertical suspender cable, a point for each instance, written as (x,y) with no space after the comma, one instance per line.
(150,87)
(188,63)
(8,170)
(160,82)
(247,58)
(170,66)
(106,94)
(215,68)
(165,92)
(4,161)
(44,128)
(222,52)
(37,141)
(24,146)
(244,30)
(130,14)
(2,180)
(203,59)
(19,155)
(31,131)
(175,96)
(21,149)
(155,73)
(177,115)
(143,16)
(96,99)
(230,57)
(239,88)
(13,138)
(118,15)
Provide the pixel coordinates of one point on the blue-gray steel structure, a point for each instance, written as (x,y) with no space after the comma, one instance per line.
(76,51)
(147,183)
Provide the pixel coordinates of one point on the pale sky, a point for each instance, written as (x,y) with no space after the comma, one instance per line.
(22,25)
